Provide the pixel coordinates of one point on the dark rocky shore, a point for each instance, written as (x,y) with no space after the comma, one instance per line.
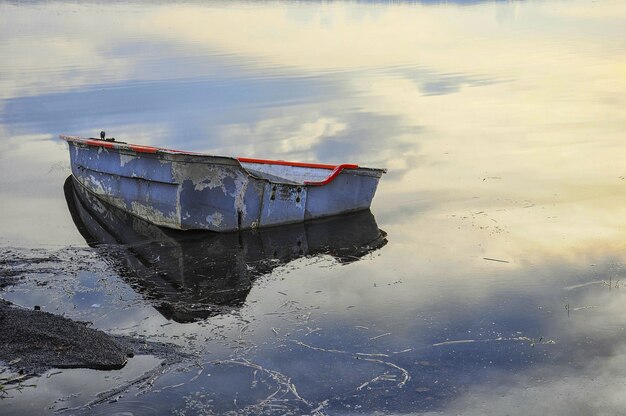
(35,341)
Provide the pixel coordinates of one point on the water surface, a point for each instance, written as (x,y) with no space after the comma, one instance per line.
(499,289)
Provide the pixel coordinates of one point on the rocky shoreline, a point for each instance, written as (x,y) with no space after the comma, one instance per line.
(34,341)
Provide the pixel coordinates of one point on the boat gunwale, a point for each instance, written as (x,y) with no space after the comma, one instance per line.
(150,150)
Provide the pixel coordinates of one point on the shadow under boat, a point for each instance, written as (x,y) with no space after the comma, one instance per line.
(191,275)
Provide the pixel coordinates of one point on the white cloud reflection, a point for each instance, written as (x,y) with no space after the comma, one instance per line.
(590,382)
(510,109)
(502,125)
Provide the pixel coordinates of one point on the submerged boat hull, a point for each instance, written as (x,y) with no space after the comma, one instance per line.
(194,191)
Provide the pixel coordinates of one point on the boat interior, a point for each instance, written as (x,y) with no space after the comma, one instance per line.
(293,172)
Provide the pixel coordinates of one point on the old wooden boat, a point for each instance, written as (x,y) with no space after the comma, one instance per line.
(185,191)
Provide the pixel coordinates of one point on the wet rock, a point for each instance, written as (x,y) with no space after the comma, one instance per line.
(40,340)
(33,341)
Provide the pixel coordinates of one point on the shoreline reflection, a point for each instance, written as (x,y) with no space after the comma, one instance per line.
(191,275)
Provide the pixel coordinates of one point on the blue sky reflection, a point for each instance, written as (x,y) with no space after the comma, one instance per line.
(501,123)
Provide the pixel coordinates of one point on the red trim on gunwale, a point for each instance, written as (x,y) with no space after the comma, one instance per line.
(332,175)
(143,149)
(95,142)
(121,145)
(110,145)
(296,164)
(336,169)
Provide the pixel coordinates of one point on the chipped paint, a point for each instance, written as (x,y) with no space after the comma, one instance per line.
(241,186)
(95,202)
(219,194)
(153,215)
(203,175)
(215,219)
(95,187)
(126,158)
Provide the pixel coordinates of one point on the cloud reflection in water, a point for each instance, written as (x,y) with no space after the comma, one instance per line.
(502,125)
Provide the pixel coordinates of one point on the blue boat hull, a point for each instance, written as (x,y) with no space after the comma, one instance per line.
(192,191)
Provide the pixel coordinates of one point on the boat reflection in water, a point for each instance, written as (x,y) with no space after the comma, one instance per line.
(191,275)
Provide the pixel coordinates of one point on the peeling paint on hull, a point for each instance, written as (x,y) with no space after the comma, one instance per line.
(191,191)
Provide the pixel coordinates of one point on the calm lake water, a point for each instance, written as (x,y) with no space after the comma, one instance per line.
(497,286)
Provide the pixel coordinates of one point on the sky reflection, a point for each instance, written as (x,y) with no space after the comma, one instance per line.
(501,124)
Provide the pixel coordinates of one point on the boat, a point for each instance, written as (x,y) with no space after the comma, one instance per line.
(195,191)
(192,275)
